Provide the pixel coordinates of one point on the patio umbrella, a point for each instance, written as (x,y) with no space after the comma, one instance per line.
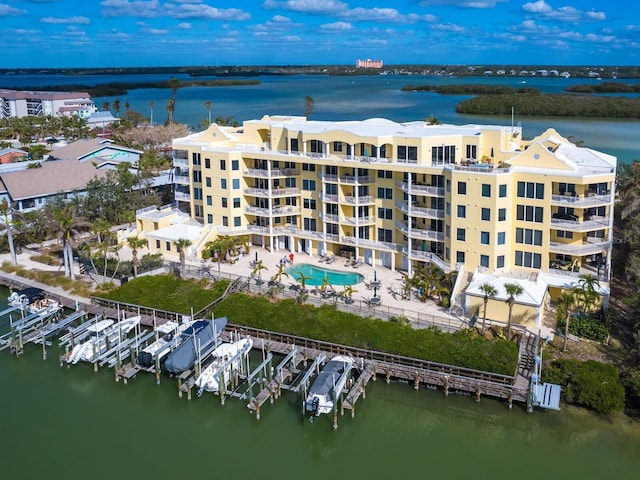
(375,278)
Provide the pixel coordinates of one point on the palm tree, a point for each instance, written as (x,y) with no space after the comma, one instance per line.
(489,292)
(135,243)
(218,248)
(171,107)
(279,274)
(66,224)
(5,210)
(257,271)
(325,285)
(586,292)
(513,290)
(309,104)
(566,301)
(174,83)
(302,278)
(207,105)
(116,107)
(101,228)
(151,104)
(347,293)
(182,244)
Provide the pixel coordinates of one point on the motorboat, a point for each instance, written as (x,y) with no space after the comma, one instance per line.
(328,385)
(102,335)
(199,339)
(168,335)
(33,300)
(227,359)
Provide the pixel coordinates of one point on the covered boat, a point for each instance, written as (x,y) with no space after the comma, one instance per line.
(227,359)
(328,385)
(168,338)
(201,337)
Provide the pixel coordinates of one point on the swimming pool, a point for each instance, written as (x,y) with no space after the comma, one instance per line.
(316,275)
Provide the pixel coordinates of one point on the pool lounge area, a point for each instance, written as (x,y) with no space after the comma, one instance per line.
(316,275)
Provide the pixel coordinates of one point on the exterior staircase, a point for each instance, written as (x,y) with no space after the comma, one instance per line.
(458,295)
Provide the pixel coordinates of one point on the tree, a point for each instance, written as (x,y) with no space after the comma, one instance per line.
(276,279)
(136,243)
(565,302)
(171,107)
(5,211)
(174,84)
(489,292)
(207,105)
(182,244)
(218,248)
(151,104)
(586,293)
(302,278)
(257,271)
(309,104)
(67,224)
(105,106)
(513,290)
(116,107)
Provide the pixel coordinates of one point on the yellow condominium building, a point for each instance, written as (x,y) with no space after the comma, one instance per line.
(472,198)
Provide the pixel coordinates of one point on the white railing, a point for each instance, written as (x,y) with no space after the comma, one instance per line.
(276,192)
(420,211)
(182,196)
(329,178)
(350,199)
(580,249)
(290,210)
(421,233)
(422,189)
(180,162)
(588,201)
(329,217)
(575,226)
(181,179)
(429,256)
(329,197)
(359,220)
(351,180)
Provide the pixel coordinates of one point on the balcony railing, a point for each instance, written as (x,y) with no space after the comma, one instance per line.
(265,212)
(420,212)
(363,200)
(426,190)
(180,162)
(329,217)
(359,220)
(181,179)
(351,180)
(595,223)
(275,173)
(185,197)
(329,178)
(276,192)
(427,256)
(365,242)
(421,233)
(328,197)
(591,247)
(581,201)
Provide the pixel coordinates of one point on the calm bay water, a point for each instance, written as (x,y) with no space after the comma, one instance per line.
(352,98)
(73,423)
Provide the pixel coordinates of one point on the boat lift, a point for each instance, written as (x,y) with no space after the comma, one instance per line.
(20,330)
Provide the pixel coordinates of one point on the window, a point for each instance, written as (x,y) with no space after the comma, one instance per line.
(235,183)
(309,185)
(385,235)
(309,203)
(385,174)
(484,261)
(528,213)
(207,181)
(167,246)
(197,194)
(462,188)
(502,214)
(225,221)
(337,146)
(472,151)
(236,202)
(207,163)
(158,244)
(386,193)
(486,190)
(237,221)
(501,238)
(528,236)
(484,238)
(564,234)
(462,211)
(235,165)
(448,185)
(502,191)
(500,261)
(447,231)
(197,176)
(209,200)
(443,154)
(195,158)
(461,234)
(209,218)
(460,257)
(309,167)
(294,145)
(224,202)
(528,259)
(407,154)
(486,214)
(223,183)
(530,190)
(447,208)
(223,164)
(385,213)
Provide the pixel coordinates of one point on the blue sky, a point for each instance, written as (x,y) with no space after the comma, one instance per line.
(97,33)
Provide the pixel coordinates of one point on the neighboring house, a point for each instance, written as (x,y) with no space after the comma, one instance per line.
(21,103)
(101,119)
(477,199)
(33,188)
(10,155)
(96,150)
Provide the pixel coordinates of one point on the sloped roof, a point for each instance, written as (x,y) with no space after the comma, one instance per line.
(80,148)
(51,178)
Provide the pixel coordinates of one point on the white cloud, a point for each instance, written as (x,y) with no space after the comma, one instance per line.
(388,15)
(184,9)
(67,20)
(336,26)
(313,7)
(9,11)
(461,3)
(562,14)
(537,7)
(184,26)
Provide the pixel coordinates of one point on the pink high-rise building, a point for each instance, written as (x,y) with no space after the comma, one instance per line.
(368,63)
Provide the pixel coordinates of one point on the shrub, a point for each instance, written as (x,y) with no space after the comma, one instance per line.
(46,259)
(585,327)
(631,382)
(590,384)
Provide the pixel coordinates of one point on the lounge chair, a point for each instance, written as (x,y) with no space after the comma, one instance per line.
(350,262)
(358,263)
(331,259)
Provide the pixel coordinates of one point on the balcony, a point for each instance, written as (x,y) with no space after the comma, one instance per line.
(180,162)
(592,246)
(328,197)
(361,180)
(182,196)
(276,192)
(420,212)
(582,201)
(365,242)
(329,217)
(363,200)
(275,173)
(275,211)
(420,233)
(594,223)
(328,178)
(181,179)
(416,189)
(359,220)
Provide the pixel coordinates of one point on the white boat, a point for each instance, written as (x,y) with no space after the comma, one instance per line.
(328,385)
(169,333)
(103,335)
(227,359)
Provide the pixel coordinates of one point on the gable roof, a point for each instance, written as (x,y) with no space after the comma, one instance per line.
(91,148)
(50,179)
